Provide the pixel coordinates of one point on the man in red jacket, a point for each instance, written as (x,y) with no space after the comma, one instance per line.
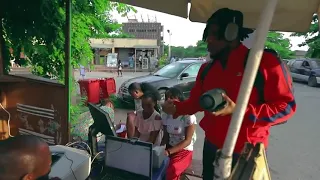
(226,70)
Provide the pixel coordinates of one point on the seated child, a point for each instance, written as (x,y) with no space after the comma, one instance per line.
(80,128)
(179,138)
(148,121)
(137,90)
(107,106)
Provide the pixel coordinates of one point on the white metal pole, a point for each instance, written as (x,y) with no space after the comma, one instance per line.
(318,13)
(223,165)
(135,60)
(169,50)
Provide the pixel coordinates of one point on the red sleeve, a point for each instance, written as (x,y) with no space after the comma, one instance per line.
(279,103)
(191,105)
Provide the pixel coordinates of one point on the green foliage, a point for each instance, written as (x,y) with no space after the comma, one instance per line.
(275,41)
(118,104)
(312,39)
(163,60)
(278,42)
(76,109)
(197,51)
(39,28)
(115,101)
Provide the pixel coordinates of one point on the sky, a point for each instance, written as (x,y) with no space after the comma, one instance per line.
(184,32)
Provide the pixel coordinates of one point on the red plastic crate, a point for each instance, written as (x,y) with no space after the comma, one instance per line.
(90,88)
(107,87)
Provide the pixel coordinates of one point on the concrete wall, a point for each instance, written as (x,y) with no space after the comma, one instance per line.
(123,42)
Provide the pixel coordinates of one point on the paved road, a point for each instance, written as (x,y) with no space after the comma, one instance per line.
(294,148)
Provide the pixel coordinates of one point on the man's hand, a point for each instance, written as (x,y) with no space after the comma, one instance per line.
(166,153)
(228,109)
(169,107)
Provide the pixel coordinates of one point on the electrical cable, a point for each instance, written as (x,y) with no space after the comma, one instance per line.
(78,146)
(71,167)
(94,164)
(96,156)
(73,143)
(9,118)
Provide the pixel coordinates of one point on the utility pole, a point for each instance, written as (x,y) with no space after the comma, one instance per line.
(169,45)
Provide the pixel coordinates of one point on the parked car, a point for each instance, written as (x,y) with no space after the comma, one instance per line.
(181,74)
(305,70)
(286,61)
(188,59)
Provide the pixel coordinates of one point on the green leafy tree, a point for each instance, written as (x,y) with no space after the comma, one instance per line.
(39,28)
(201,49)
(278,42)
(197,51)
(275,41)
(311,39)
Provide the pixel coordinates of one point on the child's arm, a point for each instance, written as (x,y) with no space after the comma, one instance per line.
(153,136)
(165,138)
(131,124)
(136,125)
(136,133)
(157,126)
(189,130)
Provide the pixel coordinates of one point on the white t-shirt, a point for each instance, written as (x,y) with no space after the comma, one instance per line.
(138,104)
(176,129)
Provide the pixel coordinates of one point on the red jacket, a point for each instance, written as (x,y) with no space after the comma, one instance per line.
(278,107)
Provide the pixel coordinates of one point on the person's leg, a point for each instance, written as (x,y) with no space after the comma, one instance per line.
(121,72)
(179,162)
(208,157)
(130,125)
(118,72)
(235,158)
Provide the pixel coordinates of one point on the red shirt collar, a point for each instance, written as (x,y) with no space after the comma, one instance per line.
(241,49)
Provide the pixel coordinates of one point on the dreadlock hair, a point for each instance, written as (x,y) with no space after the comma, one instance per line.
(222,26)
